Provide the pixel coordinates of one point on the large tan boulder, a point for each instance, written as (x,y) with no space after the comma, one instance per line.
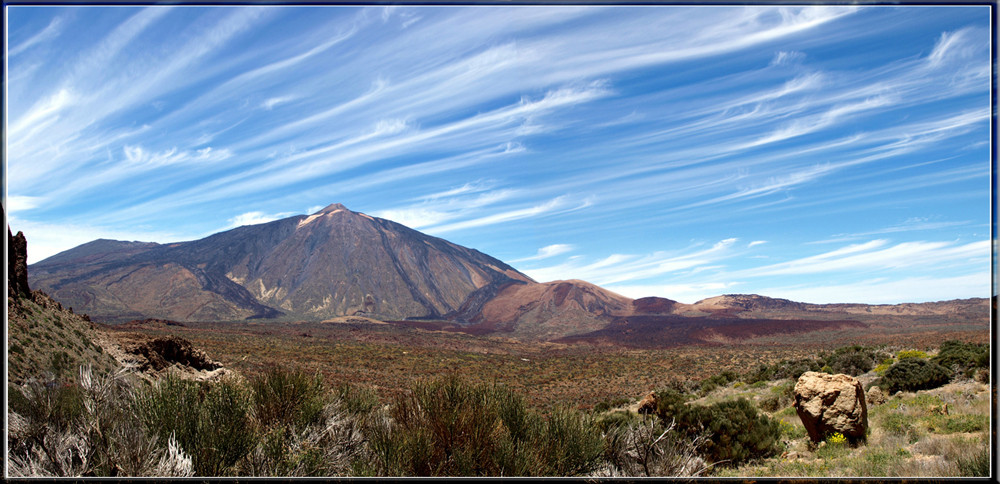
(831,403)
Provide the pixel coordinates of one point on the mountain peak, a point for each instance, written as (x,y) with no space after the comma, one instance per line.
(333,207)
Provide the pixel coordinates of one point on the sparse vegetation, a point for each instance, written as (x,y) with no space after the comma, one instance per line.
(291,422)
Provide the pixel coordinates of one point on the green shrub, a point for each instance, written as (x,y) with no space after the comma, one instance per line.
(960,356)
(571,444)
(225,430)
(210,421)
(852,360)
(783,369)
(614,420)
(949,424)
(976,465)
(286,397)
(53,403)
(609,404)
(450,428)
(913,374)
(770,403)
(171,406)
(356,399)
(735,431)
(670,403)
(87,429)
(60,363)
(779,396)
(900,424)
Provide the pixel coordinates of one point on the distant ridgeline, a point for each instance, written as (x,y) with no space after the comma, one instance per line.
(336,262)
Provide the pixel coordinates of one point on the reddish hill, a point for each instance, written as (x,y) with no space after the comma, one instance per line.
(753,303)
(747,302)
(541,311)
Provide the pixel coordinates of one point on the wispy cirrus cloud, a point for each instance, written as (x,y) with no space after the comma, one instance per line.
(137,155)
(865,257)
(50,31)
(556,205)
(624,127)
(887,291)
(546,252)
(912,224)
(616,269)
(255,217)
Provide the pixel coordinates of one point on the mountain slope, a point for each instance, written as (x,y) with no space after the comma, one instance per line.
(331,263)
(43,337)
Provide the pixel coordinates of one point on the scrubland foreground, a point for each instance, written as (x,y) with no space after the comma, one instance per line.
(287,422)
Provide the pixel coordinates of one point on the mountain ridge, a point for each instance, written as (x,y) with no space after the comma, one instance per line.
(336,262)
(330,263)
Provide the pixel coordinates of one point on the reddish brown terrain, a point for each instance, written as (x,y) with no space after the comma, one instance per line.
(665,331)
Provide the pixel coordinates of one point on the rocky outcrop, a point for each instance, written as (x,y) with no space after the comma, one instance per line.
(17,265)
(160,353)
(831,403)
(649,404)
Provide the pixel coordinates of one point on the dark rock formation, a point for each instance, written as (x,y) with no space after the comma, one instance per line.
(160,353)
(17,265)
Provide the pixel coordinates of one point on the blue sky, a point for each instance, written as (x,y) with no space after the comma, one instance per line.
(820,154)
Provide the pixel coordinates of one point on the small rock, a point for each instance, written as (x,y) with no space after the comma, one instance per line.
(876,396)
(648,404)
(939,409)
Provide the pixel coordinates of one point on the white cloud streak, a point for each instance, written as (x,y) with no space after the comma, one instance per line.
(620,268)
(546,252)
(254,218)
(49,32)
(864,257)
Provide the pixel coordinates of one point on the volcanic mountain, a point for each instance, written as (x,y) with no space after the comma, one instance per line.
(331,263)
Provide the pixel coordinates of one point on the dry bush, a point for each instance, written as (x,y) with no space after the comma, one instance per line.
(328,447)
(103,438)
(647,449)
